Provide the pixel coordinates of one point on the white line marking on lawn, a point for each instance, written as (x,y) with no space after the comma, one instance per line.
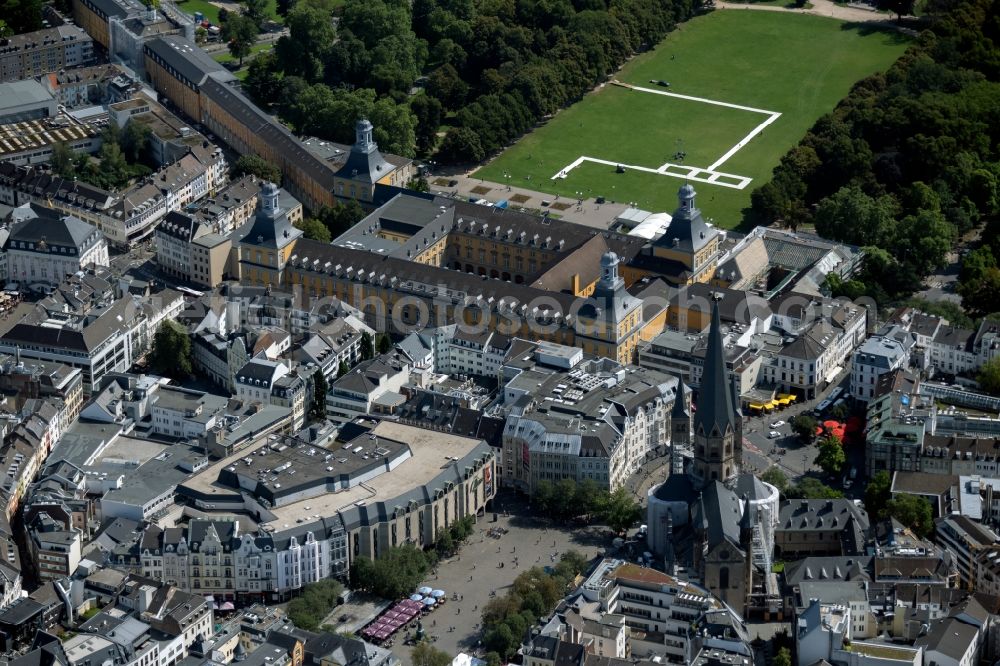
(708,174)
(695,99)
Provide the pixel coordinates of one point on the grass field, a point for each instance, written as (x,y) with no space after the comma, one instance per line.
(796,65)
(211,12)
(226,56)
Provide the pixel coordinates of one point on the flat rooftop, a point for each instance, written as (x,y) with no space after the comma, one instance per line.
(286,463)
(154,477)
(431,454)
(19,137)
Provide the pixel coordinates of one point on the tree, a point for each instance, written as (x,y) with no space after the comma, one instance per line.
(21,15)
(979,281)
(200,35)
(62,160)
(913,511)
(393,575)
(367,348)
(135,140)
(589,497)
(5,30)
(424,654)
(877,494)
(342,369)
(314,229)
(257,166)
(810,488)
(241,33)
(840,412)
(776,478)
(320,388)
(418,184)
(446,85)
(307,610)
(428,112)
(500,639)
(263,82)
(492,659)
(445,543)
(853,216)
(566,504)
(341,216)
(783,657)
(804,427)
(256,11)
(543,496)
(620,511)
(384,344)
(461,145)
(989,376)
(831,457)
(170,354)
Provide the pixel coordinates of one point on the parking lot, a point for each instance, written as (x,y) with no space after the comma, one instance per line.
(476,572)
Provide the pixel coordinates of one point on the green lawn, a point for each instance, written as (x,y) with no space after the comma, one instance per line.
(795,64)
(210,11)
(226,56)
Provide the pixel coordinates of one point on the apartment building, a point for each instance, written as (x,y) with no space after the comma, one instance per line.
(369,388)
(56,547)
(572,416)
(661,612)
(109,342)
(884,352)
(125,218)
(33,54)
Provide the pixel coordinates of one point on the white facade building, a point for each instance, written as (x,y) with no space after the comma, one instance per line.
(45,246)
(878,355)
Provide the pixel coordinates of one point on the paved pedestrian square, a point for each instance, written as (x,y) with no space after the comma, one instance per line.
(489,565)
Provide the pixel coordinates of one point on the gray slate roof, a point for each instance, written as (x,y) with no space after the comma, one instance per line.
(715,413)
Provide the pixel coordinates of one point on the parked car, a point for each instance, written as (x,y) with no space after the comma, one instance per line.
(774,434)
(777,424)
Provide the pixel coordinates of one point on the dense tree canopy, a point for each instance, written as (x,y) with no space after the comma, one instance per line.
(810,488)
(395,574)
(257,166)
(307,610)
(170,354)
(497,66)
(21,15)
(533,595)
(908,161)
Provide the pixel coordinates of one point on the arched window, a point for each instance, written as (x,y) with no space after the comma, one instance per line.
(723,578)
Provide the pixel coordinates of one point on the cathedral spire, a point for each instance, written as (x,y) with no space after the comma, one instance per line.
(715,413)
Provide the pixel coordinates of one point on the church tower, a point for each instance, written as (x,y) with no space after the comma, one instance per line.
(611,321)
(717,433)
(680,427)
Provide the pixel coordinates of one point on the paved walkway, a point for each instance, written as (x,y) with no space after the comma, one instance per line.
(819,8)
(476,572)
